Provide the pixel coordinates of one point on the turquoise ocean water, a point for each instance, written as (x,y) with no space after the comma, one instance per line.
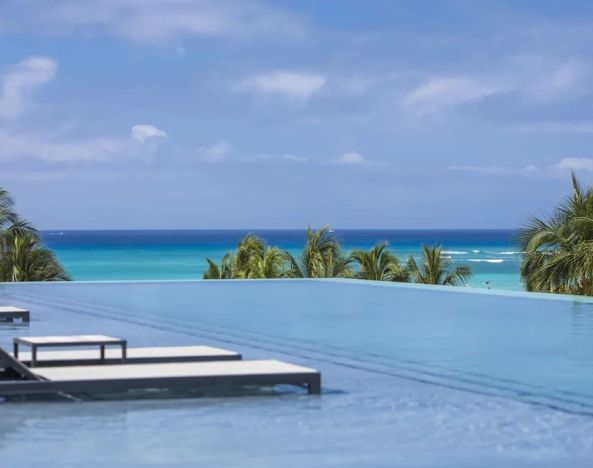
(181,254)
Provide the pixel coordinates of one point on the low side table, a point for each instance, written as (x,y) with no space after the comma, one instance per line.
(36,342)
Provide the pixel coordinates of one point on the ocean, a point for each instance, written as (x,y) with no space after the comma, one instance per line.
(181,254)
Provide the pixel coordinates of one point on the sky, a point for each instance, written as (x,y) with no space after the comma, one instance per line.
(181,114)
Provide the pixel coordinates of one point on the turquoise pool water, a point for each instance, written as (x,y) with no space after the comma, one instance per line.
(415,376)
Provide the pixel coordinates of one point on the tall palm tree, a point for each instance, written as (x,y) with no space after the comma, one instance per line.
(558,251)
(251,259)
(321,258)
(22,258)
(436,269)
(272,263)
(7,214)
(378,264)
(249,248)
(9,220)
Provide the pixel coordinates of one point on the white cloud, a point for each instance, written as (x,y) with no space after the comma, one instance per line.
(576,164)
(557,81)
(145,132)
(442,93)
(60,147)
(555,127)
(294,158)
(531,168)
(351,158)
(530,80)
(298,86)
(548,171)
(274,157)
(29,145)
(151,20)
(494,170)
(216,153)
(20,81)
(225,152)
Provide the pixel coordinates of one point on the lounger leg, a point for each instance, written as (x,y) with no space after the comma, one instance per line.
(15,349)
(124,351)
(33,356)
(102,353)
(314,385)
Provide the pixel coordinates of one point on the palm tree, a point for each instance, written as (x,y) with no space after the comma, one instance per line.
(271,264)
(436,269)
(9,220)
(226,270)
(252,259)
(248,250)
(378,264)
(321,258)
(22,258)
(7,214)
(558,251)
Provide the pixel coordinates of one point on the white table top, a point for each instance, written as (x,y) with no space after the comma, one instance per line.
(67,340)
(11,309)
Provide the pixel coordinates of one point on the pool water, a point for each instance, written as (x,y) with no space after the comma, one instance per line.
(412,375)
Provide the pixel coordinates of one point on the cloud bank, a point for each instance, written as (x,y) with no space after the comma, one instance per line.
(151,20)
(19,82)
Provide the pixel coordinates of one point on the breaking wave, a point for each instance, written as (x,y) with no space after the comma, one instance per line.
(486,260)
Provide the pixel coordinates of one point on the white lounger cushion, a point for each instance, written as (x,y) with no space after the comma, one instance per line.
(170,370)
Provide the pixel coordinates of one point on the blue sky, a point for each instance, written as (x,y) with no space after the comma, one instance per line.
(225,114)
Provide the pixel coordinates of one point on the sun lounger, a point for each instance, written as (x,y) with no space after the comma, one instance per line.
(162,354)
(10,313)
(180,376)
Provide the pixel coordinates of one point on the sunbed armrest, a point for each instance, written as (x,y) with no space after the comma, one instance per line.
(9,362)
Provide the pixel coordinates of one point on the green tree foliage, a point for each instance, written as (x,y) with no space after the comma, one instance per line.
(378,264)
(224,271)
(252,259)
(558,251)
(22,256)
(321,258)
(436,269)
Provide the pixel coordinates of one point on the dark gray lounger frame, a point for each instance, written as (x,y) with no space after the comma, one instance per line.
(133,360)
(31,384)
(29,387)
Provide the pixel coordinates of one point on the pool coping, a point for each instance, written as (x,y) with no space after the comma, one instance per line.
(358,282)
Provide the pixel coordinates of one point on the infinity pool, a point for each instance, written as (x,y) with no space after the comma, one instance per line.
(414,376)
